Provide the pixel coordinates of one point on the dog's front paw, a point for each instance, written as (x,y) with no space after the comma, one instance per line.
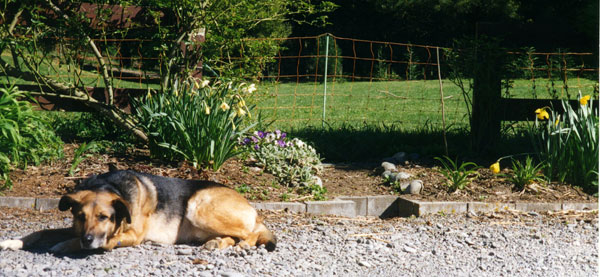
(13,244)
(63,247)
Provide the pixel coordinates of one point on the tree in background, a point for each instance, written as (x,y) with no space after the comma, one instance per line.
(31,51)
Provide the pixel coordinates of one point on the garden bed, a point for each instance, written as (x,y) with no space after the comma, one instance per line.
(51,180)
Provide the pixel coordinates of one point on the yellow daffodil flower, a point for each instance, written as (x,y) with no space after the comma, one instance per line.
(542,114)
(584,100)
(224,106)
(240,112)
(495,168)
(207,110)
(149,95)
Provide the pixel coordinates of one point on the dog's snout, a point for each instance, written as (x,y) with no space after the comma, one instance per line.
(87,239)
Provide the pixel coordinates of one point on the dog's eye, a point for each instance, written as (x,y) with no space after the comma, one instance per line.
(102,217)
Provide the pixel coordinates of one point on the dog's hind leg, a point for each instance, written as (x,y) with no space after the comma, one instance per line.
(219,243)
(222,212)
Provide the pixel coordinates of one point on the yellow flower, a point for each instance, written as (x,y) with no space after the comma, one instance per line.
(207,110)
(242,103)
(584,100)
(495,167)
(224,106)
(542,114)
(240,112)
(149,95)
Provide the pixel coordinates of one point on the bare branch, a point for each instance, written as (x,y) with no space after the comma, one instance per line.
(99,58)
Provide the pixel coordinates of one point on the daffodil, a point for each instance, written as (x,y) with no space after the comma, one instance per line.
(240,112)
(204,83)
(252,88)
(542,114)
(224,106)
(495,167)
(207,110)
(149,95)
(584,100)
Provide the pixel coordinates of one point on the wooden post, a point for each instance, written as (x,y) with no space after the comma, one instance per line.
(485,121)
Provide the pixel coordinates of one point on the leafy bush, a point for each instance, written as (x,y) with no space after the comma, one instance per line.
(86,126)
(198,122)
(526,173)
(24,136)
(568,143)
(458,176)
(294,162)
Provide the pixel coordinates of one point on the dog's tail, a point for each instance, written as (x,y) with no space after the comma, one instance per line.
(265,236)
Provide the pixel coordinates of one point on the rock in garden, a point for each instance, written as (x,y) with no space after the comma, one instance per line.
(400,157)
(415,187)
(401,176)
(387,166)
(388,174)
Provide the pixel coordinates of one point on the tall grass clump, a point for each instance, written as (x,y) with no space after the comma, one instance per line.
(198,122)
(25,138)
(568,143)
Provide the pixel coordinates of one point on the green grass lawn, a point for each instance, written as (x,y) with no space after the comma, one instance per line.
(409,104)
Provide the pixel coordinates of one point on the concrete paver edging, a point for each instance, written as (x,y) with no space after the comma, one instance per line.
(383,206)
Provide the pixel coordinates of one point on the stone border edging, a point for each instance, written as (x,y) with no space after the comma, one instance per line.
(384,206)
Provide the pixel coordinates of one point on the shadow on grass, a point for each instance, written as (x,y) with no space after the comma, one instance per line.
(370,144)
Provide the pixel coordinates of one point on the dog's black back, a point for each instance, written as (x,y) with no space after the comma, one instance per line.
(172,193)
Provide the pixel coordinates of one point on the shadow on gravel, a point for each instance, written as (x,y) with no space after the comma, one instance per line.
(79,255)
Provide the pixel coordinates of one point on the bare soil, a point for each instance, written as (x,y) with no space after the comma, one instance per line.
(51,180)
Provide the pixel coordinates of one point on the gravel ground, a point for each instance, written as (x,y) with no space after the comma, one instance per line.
(496,244)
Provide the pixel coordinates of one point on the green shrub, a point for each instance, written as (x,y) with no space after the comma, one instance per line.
(25,138)
(200,123)
(526,173)
(458,176)
(294,162)
(568,143)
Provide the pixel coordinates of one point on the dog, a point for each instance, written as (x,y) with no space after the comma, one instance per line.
(125,208)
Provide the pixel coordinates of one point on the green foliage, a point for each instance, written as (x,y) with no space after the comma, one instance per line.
(318,192)
(79,156)
(458,176)
(199,123)
(294,162)
(568,144)
(243,189)
(86,126)
(526,173)
(24,136)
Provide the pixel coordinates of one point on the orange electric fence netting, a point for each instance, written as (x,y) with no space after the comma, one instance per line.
(332,80)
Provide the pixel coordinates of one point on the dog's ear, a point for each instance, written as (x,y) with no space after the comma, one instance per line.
(69,201)
(121,210)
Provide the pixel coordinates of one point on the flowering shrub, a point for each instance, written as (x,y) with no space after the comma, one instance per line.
(568,143)
(199,122)
(293,162)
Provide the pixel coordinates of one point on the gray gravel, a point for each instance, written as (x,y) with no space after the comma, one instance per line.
(458,245)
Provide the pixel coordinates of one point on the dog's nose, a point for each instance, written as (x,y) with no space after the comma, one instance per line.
(87,239)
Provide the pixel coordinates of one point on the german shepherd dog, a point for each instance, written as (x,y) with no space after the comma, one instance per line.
(125,208)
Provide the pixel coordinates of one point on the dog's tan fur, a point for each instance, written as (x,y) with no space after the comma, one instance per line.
(215,215)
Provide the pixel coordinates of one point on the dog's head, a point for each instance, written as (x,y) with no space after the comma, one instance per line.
(97,216)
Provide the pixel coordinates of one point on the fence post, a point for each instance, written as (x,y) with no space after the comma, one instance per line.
(487,80)
(325,79)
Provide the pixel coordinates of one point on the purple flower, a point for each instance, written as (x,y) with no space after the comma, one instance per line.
(281,143)
(254,139)
(245,141)
(283,135)
(256,147)
(261,134)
